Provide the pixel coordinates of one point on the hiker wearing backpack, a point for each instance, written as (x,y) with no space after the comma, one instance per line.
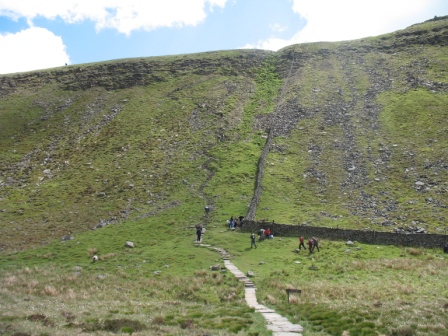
(198,233)
(310,245)
(301,244)
(261,235)
(252,240)
(315,243)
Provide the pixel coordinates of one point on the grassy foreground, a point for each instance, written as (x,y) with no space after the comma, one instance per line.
(353,289)
(164,286)
(160,287)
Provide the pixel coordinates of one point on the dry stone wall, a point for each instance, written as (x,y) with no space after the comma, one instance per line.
(362,236)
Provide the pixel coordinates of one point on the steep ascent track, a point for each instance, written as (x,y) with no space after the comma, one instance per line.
(267,147)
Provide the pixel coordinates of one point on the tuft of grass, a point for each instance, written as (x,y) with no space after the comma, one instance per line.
(414,251)
(91,252)
(403,331)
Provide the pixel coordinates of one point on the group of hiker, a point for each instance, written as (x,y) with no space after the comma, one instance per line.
(235,222)
(265,234)
(313,243)
(262,235)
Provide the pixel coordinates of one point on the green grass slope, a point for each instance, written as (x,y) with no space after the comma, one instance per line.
(136,149)
(74,158)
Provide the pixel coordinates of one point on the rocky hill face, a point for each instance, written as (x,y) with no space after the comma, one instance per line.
(350,134)
(374,141)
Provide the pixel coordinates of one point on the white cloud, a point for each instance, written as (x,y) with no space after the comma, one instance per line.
(124,16)
(30,49)
(277,28)
(352,19)
(269,44)
(331,20)
(37,48)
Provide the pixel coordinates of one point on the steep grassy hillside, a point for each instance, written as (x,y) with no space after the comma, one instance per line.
(357,138)
(350,134)
(79,148)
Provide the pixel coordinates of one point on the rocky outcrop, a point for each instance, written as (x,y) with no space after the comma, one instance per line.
(122,74)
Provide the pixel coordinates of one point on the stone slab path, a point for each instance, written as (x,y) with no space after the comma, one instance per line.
(279,325)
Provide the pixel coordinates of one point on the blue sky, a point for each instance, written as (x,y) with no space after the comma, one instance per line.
(49,33)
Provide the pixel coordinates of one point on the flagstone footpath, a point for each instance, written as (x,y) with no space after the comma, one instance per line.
(279,325)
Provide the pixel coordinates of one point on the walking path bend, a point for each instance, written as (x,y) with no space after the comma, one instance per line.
(279,325)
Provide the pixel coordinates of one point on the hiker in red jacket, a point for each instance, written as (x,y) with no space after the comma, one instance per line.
(310,245)
(301,244)
(267,232)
